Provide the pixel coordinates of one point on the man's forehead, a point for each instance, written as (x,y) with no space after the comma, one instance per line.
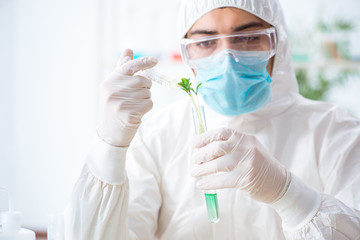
(228,20)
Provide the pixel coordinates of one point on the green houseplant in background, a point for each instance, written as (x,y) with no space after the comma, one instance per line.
(314,83)
(319,89)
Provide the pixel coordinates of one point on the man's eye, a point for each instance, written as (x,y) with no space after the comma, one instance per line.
(250,39)
(206,44)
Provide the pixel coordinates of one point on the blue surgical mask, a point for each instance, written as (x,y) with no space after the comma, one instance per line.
(231,86)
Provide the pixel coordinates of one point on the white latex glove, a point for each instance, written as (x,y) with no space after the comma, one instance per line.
(124,99)
(226,158)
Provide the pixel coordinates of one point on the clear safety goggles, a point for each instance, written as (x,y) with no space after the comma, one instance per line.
(253,46)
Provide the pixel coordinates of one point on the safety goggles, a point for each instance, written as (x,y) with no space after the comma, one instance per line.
(252,46)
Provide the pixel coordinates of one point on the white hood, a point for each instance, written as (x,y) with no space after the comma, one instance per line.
(284,82)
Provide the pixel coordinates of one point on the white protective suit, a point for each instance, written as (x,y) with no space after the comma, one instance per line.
(317,142)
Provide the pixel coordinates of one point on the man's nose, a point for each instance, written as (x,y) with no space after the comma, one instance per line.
(227,47)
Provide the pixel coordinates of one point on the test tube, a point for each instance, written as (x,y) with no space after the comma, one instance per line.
(211,200)
(160,78)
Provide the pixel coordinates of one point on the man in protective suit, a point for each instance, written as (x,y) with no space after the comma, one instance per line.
(284,167)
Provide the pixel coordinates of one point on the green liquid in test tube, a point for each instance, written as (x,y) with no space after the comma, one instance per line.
(210,195)
(212,207)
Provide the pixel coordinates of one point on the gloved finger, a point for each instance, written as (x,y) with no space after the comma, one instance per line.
(226,163)
(131,93)
(210,152)
(221,134)
(216,149)
(126,56)
(133,66)
(116,85)
(218,181)
(221,164)
(131,106)
(136,115)
(118,82)
(130,112)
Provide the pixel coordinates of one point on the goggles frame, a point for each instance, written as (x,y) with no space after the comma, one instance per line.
(270,32)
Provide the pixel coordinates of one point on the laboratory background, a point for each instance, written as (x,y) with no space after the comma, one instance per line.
(54,53)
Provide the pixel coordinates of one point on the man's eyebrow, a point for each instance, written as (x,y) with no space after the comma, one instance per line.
(248,25)
(203,32)
(237,29)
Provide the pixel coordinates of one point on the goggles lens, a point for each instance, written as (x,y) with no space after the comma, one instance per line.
(263,41)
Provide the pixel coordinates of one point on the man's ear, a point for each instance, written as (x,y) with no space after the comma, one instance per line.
(270,65)
(194,71)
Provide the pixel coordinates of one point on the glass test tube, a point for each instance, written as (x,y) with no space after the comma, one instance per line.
(210,195)
(159,78)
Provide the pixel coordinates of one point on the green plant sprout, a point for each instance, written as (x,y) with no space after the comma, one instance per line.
(185,85)
(211,195)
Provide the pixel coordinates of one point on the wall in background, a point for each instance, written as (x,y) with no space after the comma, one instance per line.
(7,95)
(48,84)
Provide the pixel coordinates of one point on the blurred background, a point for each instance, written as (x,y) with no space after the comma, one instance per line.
(54,53)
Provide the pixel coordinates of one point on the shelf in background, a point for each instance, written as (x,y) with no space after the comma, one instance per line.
(337,64)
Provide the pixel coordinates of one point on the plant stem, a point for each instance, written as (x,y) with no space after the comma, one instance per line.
(198,114)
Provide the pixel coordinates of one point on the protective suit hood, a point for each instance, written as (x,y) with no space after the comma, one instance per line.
(284,83)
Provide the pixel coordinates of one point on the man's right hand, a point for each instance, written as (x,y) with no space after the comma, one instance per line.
(124,99)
